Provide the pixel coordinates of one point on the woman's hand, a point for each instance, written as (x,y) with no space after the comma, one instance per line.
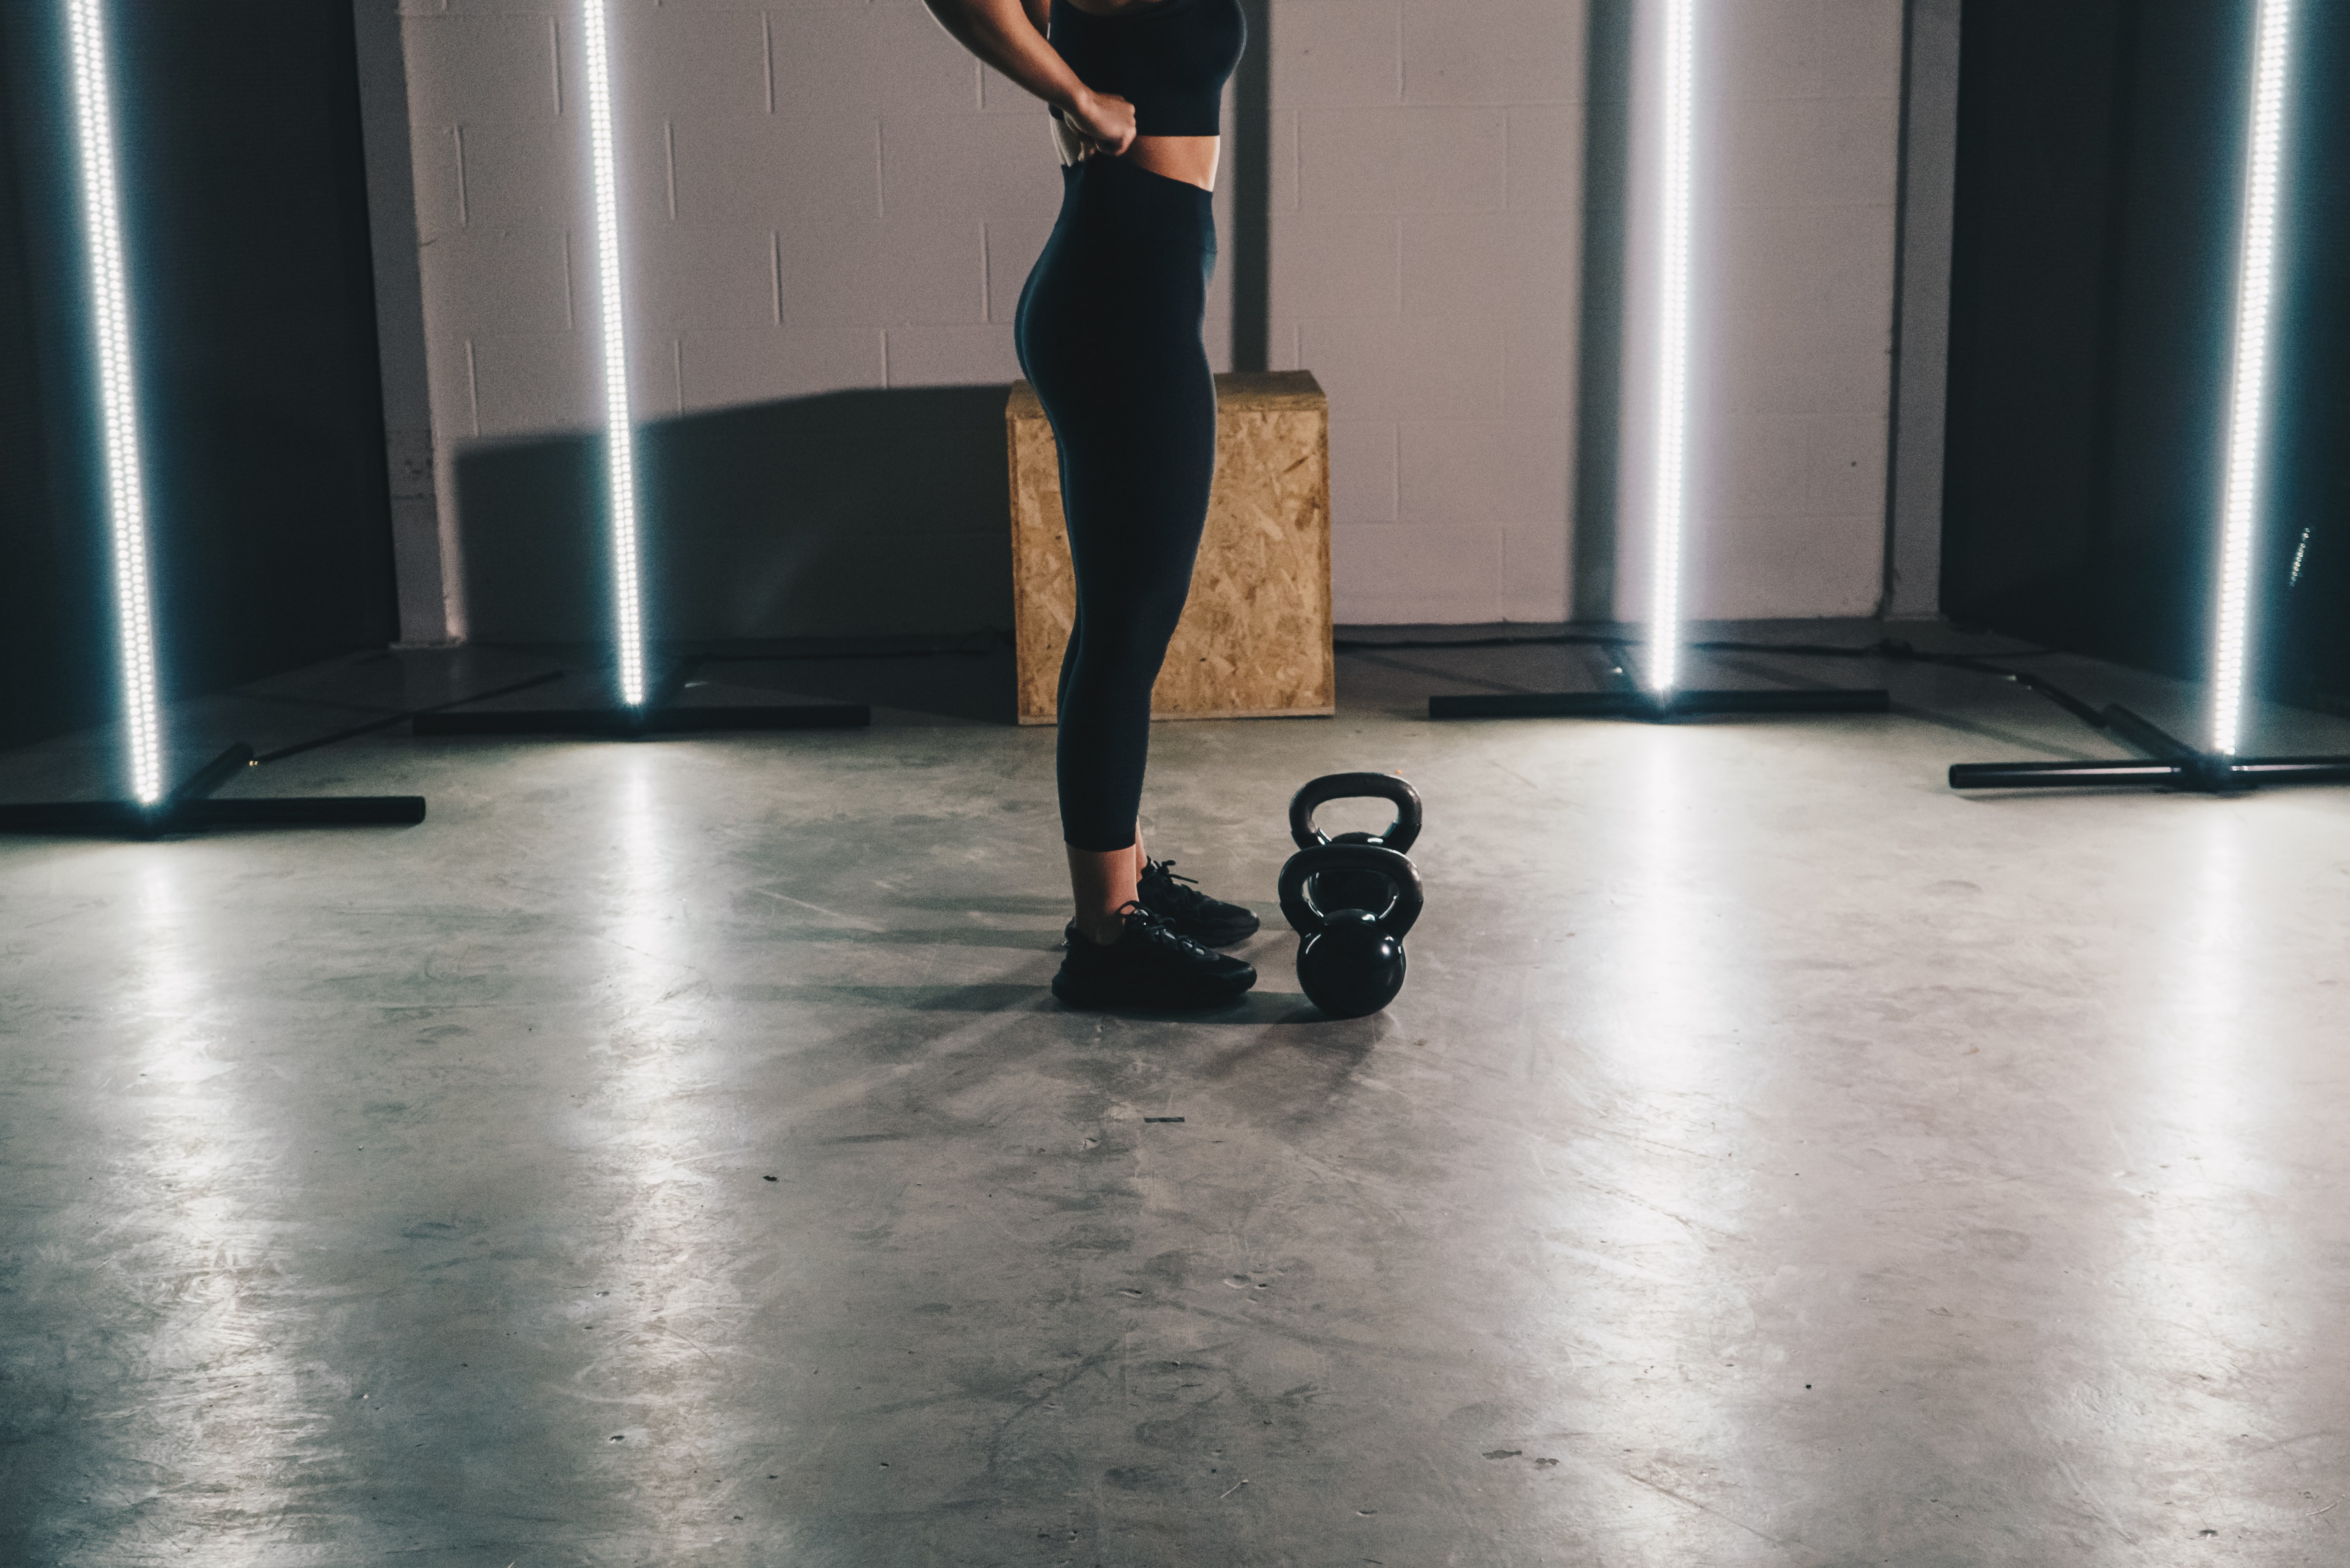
(1105,122)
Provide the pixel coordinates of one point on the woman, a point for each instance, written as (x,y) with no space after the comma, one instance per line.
(1109,334)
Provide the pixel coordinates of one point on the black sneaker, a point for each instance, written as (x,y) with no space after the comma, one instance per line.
(1150,966)
(1211,922)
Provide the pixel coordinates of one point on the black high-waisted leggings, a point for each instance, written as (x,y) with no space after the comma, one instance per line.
(1109,335)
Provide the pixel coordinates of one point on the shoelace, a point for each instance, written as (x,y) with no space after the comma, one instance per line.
(1154,928)
(1182,892)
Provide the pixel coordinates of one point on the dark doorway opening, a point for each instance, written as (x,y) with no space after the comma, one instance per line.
(2101,147)
(245,207)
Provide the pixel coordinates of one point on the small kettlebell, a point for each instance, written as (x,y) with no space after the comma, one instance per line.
(1344,890)
(1350,961)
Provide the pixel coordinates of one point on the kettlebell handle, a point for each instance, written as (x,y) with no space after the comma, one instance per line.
(1304,915)
(1317,792)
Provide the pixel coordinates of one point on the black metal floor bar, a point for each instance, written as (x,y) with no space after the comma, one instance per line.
(192,806)
(2170,764)
(1628,700)
(657,715)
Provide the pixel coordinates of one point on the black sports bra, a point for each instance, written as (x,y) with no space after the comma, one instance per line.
(1170,58)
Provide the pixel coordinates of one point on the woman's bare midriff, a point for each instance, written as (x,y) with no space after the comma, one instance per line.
(1191,159)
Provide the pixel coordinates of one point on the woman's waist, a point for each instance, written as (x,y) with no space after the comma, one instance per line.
(1190,158)
(1116,194)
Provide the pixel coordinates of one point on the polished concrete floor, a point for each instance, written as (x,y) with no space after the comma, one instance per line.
(669,1154)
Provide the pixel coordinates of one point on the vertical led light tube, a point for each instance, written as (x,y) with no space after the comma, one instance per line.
(118,397)
(2248,389)
(619,438)
(1669,492)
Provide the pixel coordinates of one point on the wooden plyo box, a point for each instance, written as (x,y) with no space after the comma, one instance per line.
(1254,640)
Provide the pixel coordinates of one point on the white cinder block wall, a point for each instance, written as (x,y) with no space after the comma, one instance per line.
(1797,156)
(816,197)
(1427,191)
(1808,149)
(822,197)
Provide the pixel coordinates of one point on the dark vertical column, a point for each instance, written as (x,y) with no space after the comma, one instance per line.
(2101,150)
(245,207)
(2039,92)
(2301,558)
(1252,164)
(2123,154)
(57,624)
(1600,369)
(244,204)
(2166,343)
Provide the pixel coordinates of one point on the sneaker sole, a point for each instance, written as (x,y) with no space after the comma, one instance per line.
(1217,936)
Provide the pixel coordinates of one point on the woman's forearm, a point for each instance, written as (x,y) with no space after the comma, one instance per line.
(1004,34)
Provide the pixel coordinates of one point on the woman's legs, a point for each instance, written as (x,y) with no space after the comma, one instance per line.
(1106,746)
(1133,533)
(1109,331)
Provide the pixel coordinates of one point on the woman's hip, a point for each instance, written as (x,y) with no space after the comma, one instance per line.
(1128,243)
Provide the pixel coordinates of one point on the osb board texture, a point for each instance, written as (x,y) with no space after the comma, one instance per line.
(1255,639)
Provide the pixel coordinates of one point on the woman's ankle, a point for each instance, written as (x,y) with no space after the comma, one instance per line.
(1102,930)
(1102,883)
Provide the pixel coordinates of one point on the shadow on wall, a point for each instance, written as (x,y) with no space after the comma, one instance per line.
(846,514)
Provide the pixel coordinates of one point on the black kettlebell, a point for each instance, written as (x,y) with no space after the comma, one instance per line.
(1354,889)
(1350,961)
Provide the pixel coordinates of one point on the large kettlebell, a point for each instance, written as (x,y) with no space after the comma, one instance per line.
(1353,890)
(1350,961)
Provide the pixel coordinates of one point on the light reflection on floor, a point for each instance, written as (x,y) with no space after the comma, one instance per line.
(661,1318)
(2198,1268)
(1648,1195)
(193,1251)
